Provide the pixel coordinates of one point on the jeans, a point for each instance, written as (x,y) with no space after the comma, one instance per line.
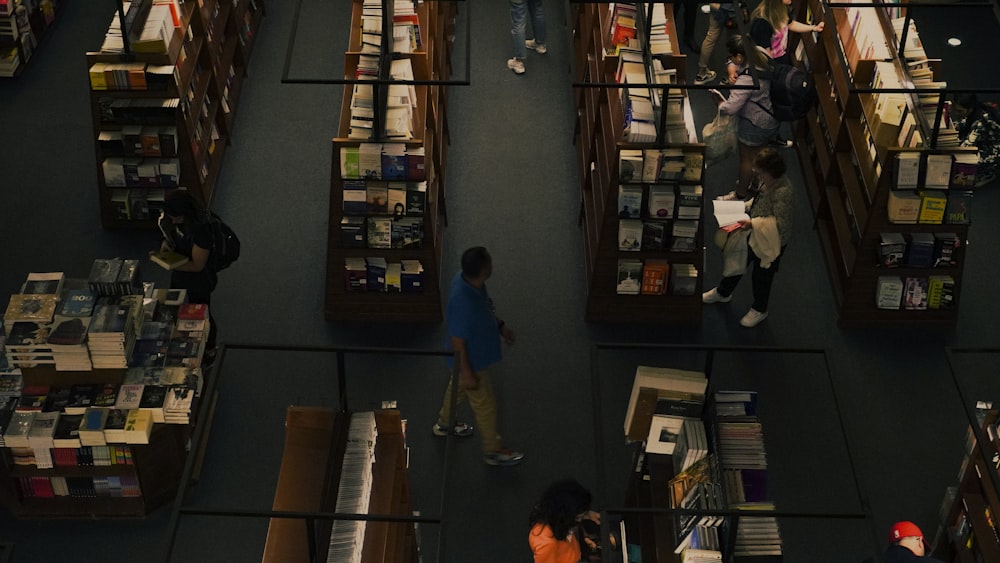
(762,279)
(519,12)
(484,406)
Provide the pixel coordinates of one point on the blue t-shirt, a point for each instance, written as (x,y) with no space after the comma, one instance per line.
(470,317)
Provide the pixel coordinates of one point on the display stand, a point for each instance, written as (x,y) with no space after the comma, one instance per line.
(155,131)
(645,511)
(24,24)
(849,145)
(969,526)
(302,516)
(614,294)
(431,68)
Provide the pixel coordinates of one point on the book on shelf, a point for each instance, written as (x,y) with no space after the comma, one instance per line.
(938,175)
(903,206)
(654,235)
(958,210)
(915,293)
(945,247)
(352,232)
(629,234)
(940,292)
(683,279)
(892,249)
(655,274)
(963,170)
(43,283)
(920,250)
(932,207)
(665,391)
(168,259)
(907,170)
(629,277)
(661,202)
(629,201)
(630,165)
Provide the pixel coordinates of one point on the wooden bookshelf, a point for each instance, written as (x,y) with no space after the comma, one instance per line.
(310,477)
(598,140)
(969,527)
(430,132)
(848,156)
(157,466)
(209,52)
(24,25)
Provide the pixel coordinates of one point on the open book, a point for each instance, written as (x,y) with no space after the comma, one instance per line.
(729,214)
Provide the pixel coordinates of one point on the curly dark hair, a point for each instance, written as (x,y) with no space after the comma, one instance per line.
(771,162)
(559,506)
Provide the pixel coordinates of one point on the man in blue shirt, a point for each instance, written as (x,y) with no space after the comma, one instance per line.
(474,334)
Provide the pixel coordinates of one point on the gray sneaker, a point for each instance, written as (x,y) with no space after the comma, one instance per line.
(537,47)
(516,65)
(503,457)
(461,429)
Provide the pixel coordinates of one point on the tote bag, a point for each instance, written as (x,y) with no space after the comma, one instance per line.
(720,138)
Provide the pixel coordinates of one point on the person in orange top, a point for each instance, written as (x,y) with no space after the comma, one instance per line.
(555,535)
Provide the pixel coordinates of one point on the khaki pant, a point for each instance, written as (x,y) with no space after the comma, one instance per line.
(484,406)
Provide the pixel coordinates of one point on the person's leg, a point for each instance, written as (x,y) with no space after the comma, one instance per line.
(762,279)
(537,21)
(708,45)
(690,11)
(484,405)
(518,22)
(444,415)
(728,284)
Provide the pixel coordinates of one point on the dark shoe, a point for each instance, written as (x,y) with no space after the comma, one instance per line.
(461,429)
(503,457)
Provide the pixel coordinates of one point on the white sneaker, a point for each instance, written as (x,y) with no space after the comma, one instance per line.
(752,318)
(539,48)
(713,296)
(516,65)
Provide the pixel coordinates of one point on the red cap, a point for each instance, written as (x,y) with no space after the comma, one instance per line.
(906,529)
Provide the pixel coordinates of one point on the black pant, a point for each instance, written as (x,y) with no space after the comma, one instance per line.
(199,286)
(690,11)
(762,279)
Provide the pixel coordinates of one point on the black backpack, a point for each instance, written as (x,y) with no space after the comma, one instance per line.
(225,244)
(793,91)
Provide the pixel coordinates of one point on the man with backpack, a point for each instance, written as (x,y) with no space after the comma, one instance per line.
(209,245)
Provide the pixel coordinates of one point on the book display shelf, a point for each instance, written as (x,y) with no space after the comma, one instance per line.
(640,166)
(387,188)
(98,384)
(969,529)
(857,148)
(712,474)
(317,475)
(23,25)
(164,91)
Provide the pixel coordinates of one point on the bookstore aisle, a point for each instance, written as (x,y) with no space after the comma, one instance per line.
(513,188)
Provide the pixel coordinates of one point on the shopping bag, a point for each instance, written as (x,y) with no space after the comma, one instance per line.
(734,253)
(720,138)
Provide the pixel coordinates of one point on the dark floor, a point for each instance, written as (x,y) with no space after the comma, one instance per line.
(512,186)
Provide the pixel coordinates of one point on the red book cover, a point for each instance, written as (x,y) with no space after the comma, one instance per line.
(192,311)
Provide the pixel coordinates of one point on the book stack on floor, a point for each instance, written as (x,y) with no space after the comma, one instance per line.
(739,440)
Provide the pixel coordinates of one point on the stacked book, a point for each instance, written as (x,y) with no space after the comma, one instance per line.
(113,331)
(406,36)
(114,276)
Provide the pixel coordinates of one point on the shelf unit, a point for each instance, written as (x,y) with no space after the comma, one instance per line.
(430,131)
(599,130)
(970,528)
(310,477)
(156,466)
(23,26)
(847,154)
(209,52)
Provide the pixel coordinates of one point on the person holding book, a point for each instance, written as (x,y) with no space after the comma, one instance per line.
(556,534)
(520,10)
(978,125)
(186,231)
(770,23)
(907,543)
(770,227)
(756,126)
(474,335)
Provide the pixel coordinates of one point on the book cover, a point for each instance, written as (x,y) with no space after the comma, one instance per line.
(129,396)
(915,294)
(352,230)
(629,277)
(654,235)
(892,248)
(938,171)
(958,210)
(81,397)
(920,250)
(932,207)
(23,307)
(192,311)
(77,303)
(945,247)
(105,396)
(629,234)
(377,198)
(629,201)
(661,202)
(416,200)
(47,283)
(654,277)
(168,259)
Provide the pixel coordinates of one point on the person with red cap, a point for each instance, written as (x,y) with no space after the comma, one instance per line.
(907,543)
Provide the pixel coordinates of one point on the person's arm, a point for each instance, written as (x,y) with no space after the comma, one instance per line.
(466,377)
(799,27)
(198,261)
(506,332)
(737,98)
